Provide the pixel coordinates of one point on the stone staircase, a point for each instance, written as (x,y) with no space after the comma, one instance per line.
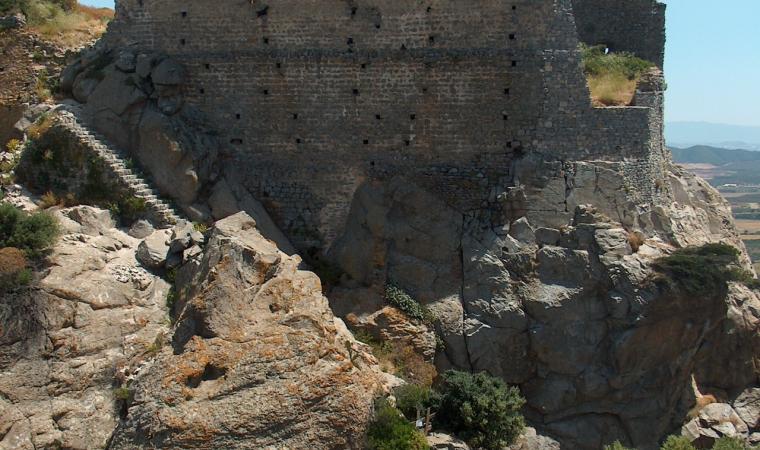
(161,213)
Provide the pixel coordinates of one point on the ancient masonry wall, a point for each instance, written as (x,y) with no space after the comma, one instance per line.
(315,97)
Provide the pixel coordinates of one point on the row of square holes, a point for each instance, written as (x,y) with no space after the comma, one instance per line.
(412,117)
(354,10)
(355,91)
(350,42)
(407,142)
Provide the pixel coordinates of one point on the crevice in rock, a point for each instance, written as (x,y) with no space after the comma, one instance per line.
(465,312)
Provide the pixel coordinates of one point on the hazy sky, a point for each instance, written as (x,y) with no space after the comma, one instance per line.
(712,63)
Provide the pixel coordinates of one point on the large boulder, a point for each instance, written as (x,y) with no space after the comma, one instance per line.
(154,249)
(259,360)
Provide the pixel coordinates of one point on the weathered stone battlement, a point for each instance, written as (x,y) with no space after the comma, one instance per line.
(313,98)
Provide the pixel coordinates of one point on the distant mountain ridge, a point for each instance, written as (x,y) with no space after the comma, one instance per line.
(687,134)
(705,154)
(729,166)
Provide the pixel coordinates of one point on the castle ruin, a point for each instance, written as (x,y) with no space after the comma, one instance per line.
(311,99)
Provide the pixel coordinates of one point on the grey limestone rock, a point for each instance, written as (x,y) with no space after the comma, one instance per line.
(747,406)
(141,229)
(153,250)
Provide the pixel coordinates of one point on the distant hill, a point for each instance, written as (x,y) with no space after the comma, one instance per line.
(685,134)
(705,154)
(728,166)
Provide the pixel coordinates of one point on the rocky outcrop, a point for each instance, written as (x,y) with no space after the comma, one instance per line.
(258,359)
(561,300)
(69,342)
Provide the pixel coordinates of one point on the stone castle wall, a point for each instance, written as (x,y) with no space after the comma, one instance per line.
(315,97)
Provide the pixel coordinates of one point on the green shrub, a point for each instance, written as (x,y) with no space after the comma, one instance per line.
(480,408)
(596,61)
(171,298)
(390,431)
(677,443)
(411,399)
(403,301)
(132,208)
(700,270)
(122,393)
(32,233)
(729,443)
(200,227)
(616,446)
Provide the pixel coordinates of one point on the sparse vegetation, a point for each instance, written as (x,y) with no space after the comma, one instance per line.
(8,165)
(635,240)
(171,298)
(400,359)
(677,443)
(13,269)
(403,301)
(31,233)
(479,408)
(702,270)
(64,22)
(200,227)
(122,393)
(617,445)
(391,431)
(45,86)
(729,443)
(612,77)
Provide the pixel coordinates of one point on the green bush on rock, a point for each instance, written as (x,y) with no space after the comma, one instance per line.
(677,443)
(402,300)
(705,269)
(391,431)
(480,409)
(411,399)
(32,233)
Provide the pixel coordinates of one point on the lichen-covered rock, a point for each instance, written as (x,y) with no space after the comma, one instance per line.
(259,360)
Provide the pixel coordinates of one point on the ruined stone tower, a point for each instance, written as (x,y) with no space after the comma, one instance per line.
(312,98)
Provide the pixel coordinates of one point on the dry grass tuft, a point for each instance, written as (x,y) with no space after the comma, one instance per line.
(611,90)
(635,240)
(612,77)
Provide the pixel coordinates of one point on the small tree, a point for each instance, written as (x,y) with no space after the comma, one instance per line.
(480,408)
(391,431)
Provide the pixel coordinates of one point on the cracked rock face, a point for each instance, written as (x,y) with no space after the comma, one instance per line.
(558,301)
(258,359)
(65,344)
